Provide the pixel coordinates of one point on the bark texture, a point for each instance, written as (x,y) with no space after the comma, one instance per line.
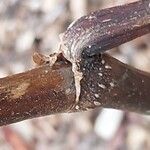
(48,90)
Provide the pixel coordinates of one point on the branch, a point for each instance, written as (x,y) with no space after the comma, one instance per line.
(105,29)
(106,81)
(43,91)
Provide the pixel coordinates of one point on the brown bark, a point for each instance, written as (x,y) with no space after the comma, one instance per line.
(104,29)
(45,90)
(106,81)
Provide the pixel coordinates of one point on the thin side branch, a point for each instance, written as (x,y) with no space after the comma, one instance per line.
(102,30)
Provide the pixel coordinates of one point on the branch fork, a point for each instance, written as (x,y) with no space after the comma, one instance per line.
(83,77)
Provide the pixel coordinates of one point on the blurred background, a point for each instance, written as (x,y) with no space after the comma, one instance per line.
(34,25)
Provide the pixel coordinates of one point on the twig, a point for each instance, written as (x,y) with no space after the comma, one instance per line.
(43,91)
(104,29)
(106,81)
